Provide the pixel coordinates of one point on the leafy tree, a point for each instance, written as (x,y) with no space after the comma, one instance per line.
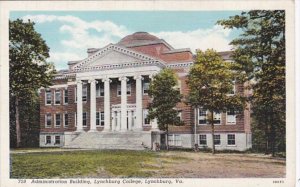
(210,81)
(165,97)
(28,68)
(260,56)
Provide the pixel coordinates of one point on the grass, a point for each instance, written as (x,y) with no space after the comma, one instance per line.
(46,163)
(80,163)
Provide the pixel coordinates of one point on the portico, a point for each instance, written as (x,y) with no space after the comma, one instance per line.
(121,117)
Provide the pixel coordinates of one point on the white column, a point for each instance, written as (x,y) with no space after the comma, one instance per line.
(139,103)
(118,128)
(79,106)
(113,122)
(106,104)
(92,105)
(123,103)
(129,119)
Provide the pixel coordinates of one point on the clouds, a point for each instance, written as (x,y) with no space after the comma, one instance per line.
(215,37)
(75,35)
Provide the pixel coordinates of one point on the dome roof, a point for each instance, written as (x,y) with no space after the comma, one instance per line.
(137,38)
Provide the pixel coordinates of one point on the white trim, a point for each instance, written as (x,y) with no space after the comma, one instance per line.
(119,86)
(86,119)
(101,120)
(98,125)
(228,139)
(55,97)
(144,87)
(230,123)
(46,140)
(64,120)
(146,112)
(64,94)
(72,83)
(180,65)
(59,86)
(46,126)
(220,139)
(57,126)
(55,139)
(47,91)
(145,60)
(172,140)
(202,145)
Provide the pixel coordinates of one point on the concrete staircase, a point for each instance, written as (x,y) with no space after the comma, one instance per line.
(109,140)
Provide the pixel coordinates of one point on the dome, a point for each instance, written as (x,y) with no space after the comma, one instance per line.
(137,38)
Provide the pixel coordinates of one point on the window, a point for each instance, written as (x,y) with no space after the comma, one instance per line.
(57,97)
(66,96)
(48,97)
(48,139)
(48,120)
(202,116)
(84,92)
(99,89)
(145,117)
(119,90)
(217,139)
(146,86)
(174,140)
(57,139)
(99,118)
(217,118)
(202,139)
(102,118)
(57,120)
(230,139)
(128,88)
(231,117)
(66,120)
(84,116)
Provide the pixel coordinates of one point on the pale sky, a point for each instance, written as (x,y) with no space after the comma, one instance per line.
(70,33)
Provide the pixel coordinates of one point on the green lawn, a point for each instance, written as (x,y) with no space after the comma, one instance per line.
(81,163)
(65,163)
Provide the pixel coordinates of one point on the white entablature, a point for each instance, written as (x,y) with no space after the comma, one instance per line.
(115,57)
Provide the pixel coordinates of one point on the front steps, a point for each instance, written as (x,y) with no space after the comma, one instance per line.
(128,140)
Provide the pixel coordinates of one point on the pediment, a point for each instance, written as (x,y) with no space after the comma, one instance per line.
(113,56)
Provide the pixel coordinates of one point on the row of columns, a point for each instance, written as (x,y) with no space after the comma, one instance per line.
(107,112)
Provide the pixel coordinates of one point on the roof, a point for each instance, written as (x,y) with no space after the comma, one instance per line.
(137,37)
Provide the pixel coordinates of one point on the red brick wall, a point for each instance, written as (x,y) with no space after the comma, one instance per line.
(242,122)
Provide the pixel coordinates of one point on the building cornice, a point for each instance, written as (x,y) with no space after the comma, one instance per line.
(144,60)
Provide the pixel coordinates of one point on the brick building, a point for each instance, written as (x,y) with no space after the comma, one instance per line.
(109,89)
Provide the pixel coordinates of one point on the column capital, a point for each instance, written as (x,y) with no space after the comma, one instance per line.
(136,77)
(106,79)
(123,78)
(151,76)
(92,81)
(78,81)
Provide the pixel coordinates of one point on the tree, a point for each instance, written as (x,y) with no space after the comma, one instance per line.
(210,81)
(260,56)
(28,68)
(165,97)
